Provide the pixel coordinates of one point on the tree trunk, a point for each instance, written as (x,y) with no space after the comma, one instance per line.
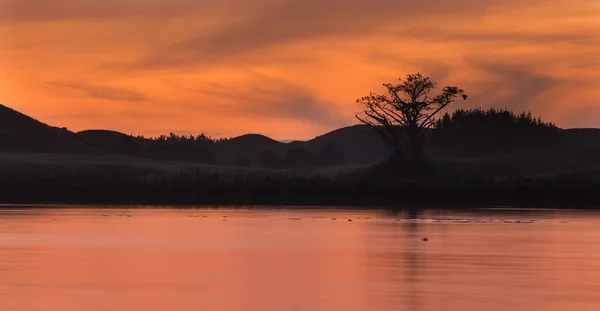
(415,142)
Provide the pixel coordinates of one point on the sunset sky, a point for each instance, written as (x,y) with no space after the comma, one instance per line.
(289,69)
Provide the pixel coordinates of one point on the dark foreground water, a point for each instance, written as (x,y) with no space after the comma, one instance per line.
(167,259)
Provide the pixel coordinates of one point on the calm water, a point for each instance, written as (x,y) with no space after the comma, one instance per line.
(170,259)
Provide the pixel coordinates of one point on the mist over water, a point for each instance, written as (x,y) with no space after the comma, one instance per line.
(298,259)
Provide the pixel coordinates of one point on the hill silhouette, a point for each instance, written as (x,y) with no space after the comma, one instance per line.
(21,133)
(112,142)
(248,149)
(583,143)
(347,148)
(350,145)
(43,164)
(359,144)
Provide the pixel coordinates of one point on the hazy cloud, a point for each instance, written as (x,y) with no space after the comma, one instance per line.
(46,10)
(459,33)
(512,87)
(270,98)
(100,92)
(281,22)
(331,12)
(584,64)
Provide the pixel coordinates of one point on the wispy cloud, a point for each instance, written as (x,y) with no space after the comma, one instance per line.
(276,23)
(44,10)
(100,92)
(270,98)
(511,86)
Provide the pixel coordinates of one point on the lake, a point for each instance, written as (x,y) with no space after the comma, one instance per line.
(297,259)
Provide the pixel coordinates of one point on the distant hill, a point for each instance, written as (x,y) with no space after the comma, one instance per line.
(359,144)
(112,142)
(249,148)
(350,145)
(582,143)
(253,142)
(347,147)
(20,133)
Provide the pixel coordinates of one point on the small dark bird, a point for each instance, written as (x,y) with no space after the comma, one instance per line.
(425,239)
(349,219)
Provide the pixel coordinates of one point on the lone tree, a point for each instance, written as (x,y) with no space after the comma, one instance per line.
(403,115)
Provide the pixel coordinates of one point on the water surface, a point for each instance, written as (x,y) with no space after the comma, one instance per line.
(294,259)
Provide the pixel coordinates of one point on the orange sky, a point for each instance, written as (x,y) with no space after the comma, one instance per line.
(288,69)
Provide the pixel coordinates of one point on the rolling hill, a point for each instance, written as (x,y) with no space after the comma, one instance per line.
(354,146)
(112,142)
(21,133)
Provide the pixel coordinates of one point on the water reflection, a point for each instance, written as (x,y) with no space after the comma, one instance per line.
(413,258)
(131,259)
(403,261)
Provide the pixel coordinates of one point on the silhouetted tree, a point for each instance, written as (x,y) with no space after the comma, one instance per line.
(403,115)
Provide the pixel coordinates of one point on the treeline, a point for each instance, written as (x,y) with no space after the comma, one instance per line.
(463,133)
(204,149)
(479,131)
(174,138)
(180,147)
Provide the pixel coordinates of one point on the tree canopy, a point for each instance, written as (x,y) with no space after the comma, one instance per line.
(493,130)
(403,114)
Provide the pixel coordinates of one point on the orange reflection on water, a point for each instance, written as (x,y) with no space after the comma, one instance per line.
(142,259)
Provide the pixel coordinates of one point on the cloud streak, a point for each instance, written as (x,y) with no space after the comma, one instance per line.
(332,13)
(270,98)
(61,10)
(511,87)
(283,22)
(100,92)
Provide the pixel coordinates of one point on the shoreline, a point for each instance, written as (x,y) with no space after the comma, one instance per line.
(369,191)
(310,203)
